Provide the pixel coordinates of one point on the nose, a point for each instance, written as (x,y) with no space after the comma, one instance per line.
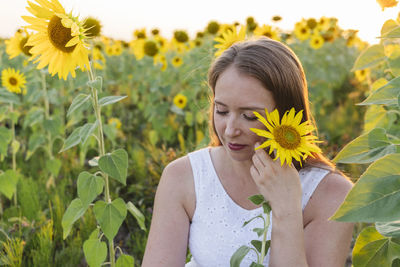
(232,128)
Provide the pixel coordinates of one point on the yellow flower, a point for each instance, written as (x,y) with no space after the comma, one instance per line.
(228,38)
(13,81)
(361,75)
(160,58)
(387,3)
(16,44)
(177,61)
(301,31)
(116,122)
(59,41)
(117,48)
(137,48)
(289,137)
(150,48)
(93,27)
(99,60)
(267,31)
(180,101)
(140,33)
(316,41)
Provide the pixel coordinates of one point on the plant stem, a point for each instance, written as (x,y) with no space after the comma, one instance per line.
(97,110)
(13,152)
(266,225)
(47,113)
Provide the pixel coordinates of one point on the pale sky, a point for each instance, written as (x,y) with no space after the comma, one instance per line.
(121,17)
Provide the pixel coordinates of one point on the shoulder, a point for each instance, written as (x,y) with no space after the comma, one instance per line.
(328,195)
(177,182)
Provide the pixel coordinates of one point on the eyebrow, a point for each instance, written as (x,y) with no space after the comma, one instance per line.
(241,108)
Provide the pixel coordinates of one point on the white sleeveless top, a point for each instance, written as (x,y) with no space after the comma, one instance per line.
(216,230)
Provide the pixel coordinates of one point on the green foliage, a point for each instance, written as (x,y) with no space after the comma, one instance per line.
(110,216)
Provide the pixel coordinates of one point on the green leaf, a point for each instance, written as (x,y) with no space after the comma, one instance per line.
(53,166)
(375,117)
(53,126)
(95,252)
(372,249)
(78,101)
(97,83)
(5,139)
(247,222)
(398,100)
(8,97)
(266,207)
(15,146)
(74,211)
(257,199)
(3,112)
(89,187)
(14,116)
(115,165)
(376,195)
(189,118)
(110,100)
(238,256)
(72,140)
(388,26)
(259,231)
(34,116)
(257,244)
(110,216)
(369,58)
(392,33)
(8,183)
(386,95)
(253,264)
(35,141)
(389,229)
(125,261)
(86,131)
(137,214)
(366,148)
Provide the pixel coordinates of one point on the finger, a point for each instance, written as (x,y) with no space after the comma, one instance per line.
(257,163)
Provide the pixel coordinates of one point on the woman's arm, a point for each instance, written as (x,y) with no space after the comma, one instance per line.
(167,241)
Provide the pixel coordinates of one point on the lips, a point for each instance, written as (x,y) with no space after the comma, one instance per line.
(236,146)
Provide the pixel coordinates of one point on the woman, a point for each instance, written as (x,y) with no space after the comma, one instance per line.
(202,198)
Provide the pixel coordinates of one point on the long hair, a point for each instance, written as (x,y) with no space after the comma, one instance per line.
(279,70)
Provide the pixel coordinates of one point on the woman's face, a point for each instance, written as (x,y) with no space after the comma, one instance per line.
(236,97)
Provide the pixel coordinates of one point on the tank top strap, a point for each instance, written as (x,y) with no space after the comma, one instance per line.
(310,177)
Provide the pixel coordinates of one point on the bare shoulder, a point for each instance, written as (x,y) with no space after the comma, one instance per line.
(177,178)
(328,196)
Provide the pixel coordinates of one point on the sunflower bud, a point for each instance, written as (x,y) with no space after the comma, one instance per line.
(92,26)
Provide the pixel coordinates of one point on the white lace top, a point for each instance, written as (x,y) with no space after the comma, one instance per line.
(216,230)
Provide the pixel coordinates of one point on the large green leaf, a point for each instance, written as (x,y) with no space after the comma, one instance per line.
(366,148)
(389,229)
(107,100)
(35,115)
(53,166)
(5,139)
(36,140)
(7,97)
(388,26)
(375,117)
(73,139)
(386,95)
(370,57)
(8,183)
(372,249)
(110,216)
(89,187)
(78,102)
(137,214)
(125,261)
(394,32)
(95,252)
(376,195)
(74,211)
(54,126)
(115,165)
(86,131)
(238,256)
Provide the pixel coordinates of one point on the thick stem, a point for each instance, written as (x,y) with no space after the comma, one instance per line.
(97,110)
(13,152)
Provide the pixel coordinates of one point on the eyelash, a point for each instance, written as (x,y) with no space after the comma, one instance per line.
(222,113)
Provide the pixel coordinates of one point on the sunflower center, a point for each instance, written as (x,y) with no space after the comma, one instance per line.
(267,34)
(13,81)
(287,136)
(25,49)
(59,35)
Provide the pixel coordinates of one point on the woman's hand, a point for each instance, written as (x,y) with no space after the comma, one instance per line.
(280,185)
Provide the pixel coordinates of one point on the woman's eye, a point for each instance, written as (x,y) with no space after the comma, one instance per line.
(221,112)
(250,118)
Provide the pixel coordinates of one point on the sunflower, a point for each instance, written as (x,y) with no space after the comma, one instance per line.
(137,48)
(140,33)
(361,75)
(116,122)
(160,58)
(267,31)
(13,81)
(229,38)
(180,101)
(16,45)
(177,61)
(301,31)
(289,137)
(316,41)
(59,41)
(93,27)
(99,60)
(150,48)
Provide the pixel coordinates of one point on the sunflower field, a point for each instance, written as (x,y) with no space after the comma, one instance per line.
(87,124)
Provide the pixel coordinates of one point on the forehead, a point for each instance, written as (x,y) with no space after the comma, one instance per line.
(237,89)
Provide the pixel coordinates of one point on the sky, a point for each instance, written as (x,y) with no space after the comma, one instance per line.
(121,17)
